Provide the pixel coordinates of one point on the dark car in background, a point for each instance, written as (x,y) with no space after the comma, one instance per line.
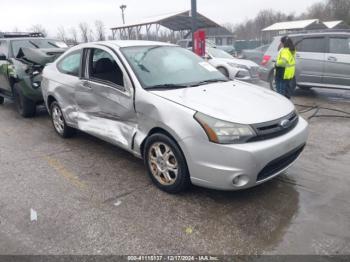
(322,60)
(22,59)
(254,55)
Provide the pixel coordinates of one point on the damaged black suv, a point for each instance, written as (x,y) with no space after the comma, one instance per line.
(23,56)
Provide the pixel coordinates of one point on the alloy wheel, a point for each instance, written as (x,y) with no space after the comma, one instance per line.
(57,119)
(163,164)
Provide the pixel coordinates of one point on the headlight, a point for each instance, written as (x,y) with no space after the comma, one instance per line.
(222,132)
(238,66)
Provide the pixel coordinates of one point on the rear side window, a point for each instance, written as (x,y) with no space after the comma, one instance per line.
(71,64)
(339,45)
(312,45)
(3,48)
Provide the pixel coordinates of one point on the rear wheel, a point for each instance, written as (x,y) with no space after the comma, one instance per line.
(58,121)
(166,164)
(2,100)
(224,71)
(24,105)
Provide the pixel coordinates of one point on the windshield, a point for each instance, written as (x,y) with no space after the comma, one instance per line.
(218,53)
(36,43)
(166,66)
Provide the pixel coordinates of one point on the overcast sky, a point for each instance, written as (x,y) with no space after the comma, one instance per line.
(22,14)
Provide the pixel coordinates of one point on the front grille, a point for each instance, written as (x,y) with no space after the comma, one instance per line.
(274,128)
(279,164)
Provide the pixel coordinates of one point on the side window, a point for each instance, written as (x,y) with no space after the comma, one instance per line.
(103,67)
(339,45)
(312,45)
(71,64)
(3,48)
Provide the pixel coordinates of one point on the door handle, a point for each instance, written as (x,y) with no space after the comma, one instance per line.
(332,59)
(297,56)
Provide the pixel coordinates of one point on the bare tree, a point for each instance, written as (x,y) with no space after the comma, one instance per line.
(38,29)
(74,35)
(100,30)
(61,34)
(84,32)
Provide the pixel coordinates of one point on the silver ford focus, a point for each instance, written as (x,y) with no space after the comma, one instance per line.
(164,104)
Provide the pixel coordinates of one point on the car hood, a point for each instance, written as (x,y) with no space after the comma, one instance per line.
(232,101)
(244,62)
(40,56)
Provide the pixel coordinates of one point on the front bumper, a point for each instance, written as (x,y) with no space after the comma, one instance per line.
(235,167)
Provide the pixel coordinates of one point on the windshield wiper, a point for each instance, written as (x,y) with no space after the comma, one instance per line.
(209,81)
(166,86)
(53,44)
(36,46)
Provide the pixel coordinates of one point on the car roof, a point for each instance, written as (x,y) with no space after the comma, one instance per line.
(129,43)
(24,38)
(318,33)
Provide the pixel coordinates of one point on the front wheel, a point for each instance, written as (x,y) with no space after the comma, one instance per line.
(166,164)
(2,100)
(58,121)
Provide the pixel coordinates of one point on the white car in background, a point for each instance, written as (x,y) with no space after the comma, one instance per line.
(231,67)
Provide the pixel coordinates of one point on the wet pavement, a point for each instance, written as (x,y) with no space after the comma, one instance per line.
(93,198)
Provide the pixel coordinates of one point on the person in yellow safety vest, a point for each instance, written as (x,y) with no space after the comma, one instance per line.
(285,67)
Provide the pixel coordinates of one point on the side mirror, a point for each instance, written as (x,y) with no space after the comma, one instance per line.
(2,57)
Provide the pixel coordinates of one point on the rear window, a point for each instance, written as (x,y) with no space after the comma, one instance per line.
(312,45)
(339,45)
(273,48)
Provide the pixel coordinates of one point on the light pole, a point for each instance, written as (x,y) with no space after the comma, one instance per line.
(123,7)
(194,20)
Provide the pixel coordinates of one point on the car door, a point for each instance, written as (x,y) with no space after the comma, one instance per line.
(105,99)
(337,70)
(310,60)
(4,80)
(70,71)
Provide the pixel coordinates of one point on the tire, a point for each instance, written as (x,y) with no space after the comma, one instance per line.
(272,82)
(2,100)
(224,71)
(25,107)
(167,167)
(58,121)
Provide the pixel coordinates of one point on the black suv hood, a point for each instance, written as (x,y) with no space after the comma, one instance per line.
(40,56)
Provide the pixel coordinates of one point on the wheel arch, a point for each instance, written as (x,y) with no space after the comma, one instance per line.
(158,130)
(50,100)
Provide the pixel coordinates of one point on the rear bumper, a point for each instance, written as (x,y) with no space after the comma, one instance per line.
(264,73)
(235,167)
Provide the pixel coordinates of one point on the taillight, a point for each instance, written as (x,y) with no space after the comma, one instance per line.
(265,60)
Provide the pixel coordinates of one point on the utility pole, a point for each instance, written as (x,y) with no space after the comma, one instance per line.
(123,7)
(194,20)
